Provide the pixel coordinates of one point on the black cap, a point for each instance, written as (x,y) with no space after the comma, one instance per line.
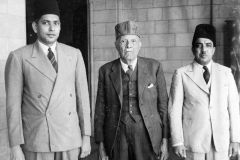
(205,31)
(43,7)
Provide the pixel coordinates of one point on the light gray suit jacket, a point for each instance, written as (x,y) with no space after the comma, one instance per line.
(47,111)
(198,114)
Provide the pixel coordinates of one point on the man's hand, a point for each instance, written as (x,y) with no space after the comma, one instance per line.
(233,149)
(102,152)
(164,149)
(16,153)
(86,147)
(180,151)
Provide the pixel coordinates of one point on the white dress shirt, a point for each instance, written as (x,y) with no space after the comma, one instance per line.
(125,66)
(209,66)
(45,48)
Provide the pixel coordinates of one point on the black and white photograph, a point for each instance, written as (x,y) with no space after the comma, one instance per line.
(120,80)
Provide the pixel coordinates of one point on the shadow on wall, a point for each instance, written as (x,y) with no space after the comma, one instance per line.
(232,48)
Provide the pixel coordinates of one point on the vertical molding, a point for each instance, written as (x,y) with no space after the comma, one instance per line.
(91,60)
(211,12)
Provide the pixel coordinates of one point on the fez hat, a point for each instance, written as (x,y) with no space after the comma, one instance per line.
(126,28)
(205,31)
(43,7)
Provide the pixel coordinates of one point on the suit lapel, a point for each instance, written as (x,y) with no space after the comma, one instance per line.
(116,78)
(142,76)
(63,62)
(39,61)
(216,76)
(196,75)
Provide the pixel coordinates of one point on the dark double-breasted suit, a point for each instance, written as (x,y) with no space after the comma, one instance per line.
(152,99)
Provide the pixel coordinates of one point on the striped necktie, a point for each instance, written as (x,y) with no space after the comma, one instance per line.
(206,74)
(52,59)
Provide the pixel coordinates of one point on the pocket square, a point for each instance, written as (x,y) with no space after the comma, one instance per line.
(150,85)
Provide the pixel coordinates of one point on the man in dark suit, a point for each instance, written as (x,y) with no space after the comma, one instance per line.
(131,107)
(48,110)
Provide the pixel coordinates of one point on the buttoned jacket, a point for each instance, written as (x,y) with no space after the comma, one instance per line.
(200,115)
(152,98)
(46,111)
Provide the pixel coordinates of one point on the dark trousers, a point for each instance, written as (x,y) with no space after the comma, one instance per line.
(133,143)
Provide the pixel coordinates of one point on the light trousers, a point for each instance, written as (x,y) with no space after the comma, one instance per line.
(66,155)
(211,155)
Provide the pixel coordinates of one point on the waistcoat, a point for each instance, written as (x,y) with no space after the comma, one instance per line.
(130,107)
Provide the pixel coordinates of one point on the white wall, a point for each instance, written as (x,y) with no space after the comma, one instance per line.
(12,36)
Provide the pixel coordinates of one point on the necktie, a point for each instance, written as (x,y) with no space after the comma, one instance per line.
(52,59)
(130,70)
(206,74)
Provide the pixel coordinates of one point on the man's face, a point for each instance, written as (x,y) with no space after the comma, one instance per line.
(128,47)
(203,50)
(47,28)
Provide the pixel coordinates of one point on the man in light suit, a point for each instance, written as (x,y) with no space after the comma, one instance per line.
(131,107)
(204,104)
(48,110)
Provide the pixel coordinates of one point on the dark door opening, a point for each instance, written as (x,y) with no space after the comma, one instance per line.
(74,26)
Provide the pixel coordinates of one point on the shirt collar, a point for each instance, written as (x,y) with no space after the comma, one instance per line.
(125,66)
(45,48)
(209,66)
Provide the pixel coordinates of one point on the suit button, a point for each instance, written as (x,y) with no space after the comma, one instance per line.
(39,96)
(69,113)
(130,112)
(70,94)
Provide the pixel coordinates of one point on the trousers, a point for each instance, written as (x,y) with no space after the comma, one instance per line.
(211,155)
(133,143)
(66,155)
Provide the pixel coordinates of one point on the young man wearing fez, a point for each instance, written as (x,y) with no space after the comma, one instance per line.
(204,104)
(131,108)
(48,111)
